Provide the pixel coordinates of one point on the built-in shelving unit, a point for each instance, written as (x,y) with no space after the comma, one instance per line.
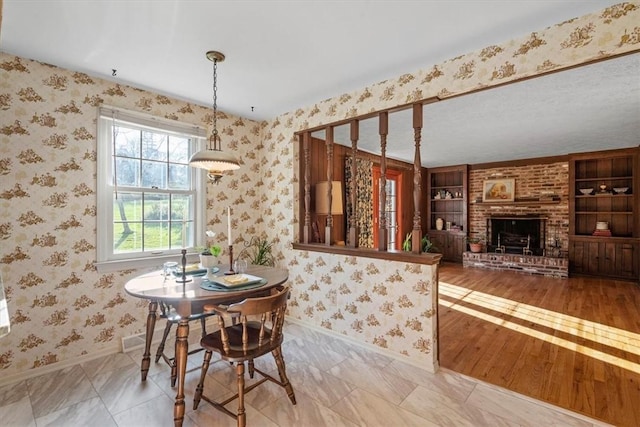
(447,200)
(615,250)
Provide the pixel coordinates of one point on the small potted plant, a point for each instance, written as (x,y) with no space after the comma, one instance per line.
(426,244)
(210,253)
(475,244)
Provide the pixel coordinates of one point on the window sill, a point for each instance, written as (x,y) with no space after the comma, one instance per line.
(424,258)
(138,263)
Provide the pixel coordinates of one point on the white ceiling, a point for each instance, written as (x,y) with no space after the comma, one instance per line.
(283,55)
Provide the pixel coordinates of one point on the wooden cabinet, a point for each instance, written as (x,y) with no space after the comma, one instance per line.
(604,225)
(449,243)
(614,258)
(448,201)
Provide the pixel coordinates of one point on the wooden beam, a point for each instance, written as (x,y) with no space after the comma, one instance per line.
(353,226)
(383,121)
(307,188)
(416,233)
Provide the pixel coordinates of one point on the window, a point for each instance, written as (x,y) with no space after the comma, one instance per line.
(149,203)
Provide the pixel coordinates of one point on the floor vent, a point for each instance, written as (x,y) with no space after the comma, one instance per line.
(133,342)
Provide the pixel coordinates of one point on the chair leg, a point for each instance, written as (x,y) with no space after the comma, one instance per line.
(203,323)
(277,355)
(242,417)
(174,372)
(203,374)
(251,368)
(165,334)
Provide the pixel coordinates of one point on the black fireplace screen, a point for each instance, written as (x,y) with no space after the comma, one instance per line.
(516,235)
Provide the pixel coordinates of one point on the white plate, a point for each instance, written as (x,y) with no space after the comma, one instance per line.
(221,280)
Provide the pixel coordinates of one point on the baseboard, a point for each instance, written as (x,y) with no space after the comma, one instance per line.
(36,372)
(114,347)
(433,368)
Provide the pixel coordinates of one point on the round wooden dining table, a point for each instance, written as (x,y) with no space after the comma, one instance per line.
(187,298)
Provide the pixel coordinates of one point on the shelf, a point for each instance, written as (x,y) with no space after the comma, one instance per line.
(445,213)
(458,199)
(604,212)
(445,187)
(581,236)
(589,196)
(603,178)
(521,203)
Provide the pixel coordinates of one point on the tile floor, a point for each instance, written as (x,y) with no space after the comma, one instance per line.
(336,384)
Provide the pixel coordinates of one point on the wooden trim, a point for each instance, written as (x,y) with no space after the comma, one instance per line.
(381,241)
(517,203)
(416,233)
(351,221)
(420,258)
(401,107)
(614,152)
(520,162)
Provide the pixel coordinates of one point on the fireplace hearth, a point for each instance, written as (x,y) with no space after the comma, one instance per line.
(523,235)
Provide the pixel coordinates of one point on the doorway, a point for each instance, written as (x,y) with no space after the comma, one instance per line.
(391,209)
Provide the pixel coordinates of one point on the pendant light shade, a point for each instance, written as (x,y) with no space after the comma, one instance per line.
(213,159)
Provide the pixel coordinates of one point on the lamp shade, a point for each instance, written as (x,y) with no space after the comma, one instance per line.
(322,201)
(214,160)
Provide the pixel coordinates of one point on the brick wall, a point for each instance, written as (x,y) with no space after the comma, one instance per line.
(531,181)
(542,266)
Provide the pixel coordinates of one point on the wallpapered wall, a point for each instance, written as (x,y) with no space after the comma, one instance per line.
(387,288)
(61,308)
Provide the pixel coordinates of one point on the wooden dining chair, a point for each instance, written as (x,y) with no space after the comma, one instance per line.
(172,319)
(256,330)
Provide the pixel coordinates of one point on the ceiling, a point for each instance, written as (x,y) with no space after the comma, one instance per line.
(283,55)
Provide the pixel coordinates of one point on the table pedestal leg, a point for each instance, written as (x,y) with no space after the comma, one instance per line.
(182,348)
(151,324)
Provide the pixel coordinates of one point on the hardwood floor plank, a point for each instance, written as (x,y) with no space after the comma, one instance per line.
(571,342)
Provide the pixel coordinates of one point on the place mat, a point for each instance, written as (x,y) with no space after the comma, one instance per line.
(197,272)
(214,286)
(235,280)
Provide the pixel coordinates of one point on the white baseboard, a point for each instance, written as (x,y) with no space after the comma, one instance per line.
(114,347)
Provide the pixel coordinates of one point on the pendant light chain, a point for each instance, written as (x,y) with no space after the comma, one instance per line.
(213,159)
(215,105)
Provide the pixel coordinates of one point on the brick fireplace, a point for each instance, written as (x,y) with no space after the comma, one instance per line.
(541,228)
(522,235)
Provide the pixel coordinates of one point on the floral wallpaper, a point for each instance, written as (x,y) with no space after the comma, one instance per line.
(390,305)
(61,308)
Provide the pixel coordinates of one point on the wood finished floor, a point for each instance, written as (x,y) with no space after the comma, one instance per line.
(574,343)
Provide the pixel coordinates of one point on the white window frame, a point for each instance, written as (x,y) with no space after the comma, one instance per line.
(106,259)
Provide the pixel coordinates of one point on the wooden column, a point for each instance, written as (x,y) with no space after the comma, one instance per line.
(416,234)
(328,229)
(353,226)
(383,122)
(307,188)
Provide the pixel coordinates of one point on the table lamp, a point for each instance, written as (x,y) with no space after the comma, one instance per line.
(322,201)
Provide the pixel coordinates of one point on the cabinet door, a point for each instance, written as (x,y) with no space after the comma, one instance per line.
(594,258)
(577,257)
(626,260)
(456,247)
(607,259)
(439,241)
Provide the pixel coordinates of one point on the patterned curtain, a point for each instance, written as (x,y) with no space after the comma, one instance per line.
(364,203)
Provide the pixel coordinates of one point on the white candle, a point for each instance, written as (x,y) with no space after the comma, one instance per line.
(184,234)
(229,224)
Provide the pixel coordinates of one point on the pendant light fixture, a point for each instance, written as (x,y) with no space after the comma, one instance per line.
(213,159)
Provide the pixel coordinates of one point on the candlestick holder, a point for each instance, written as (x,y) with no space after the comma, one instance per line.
(184,279)
(230,271)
